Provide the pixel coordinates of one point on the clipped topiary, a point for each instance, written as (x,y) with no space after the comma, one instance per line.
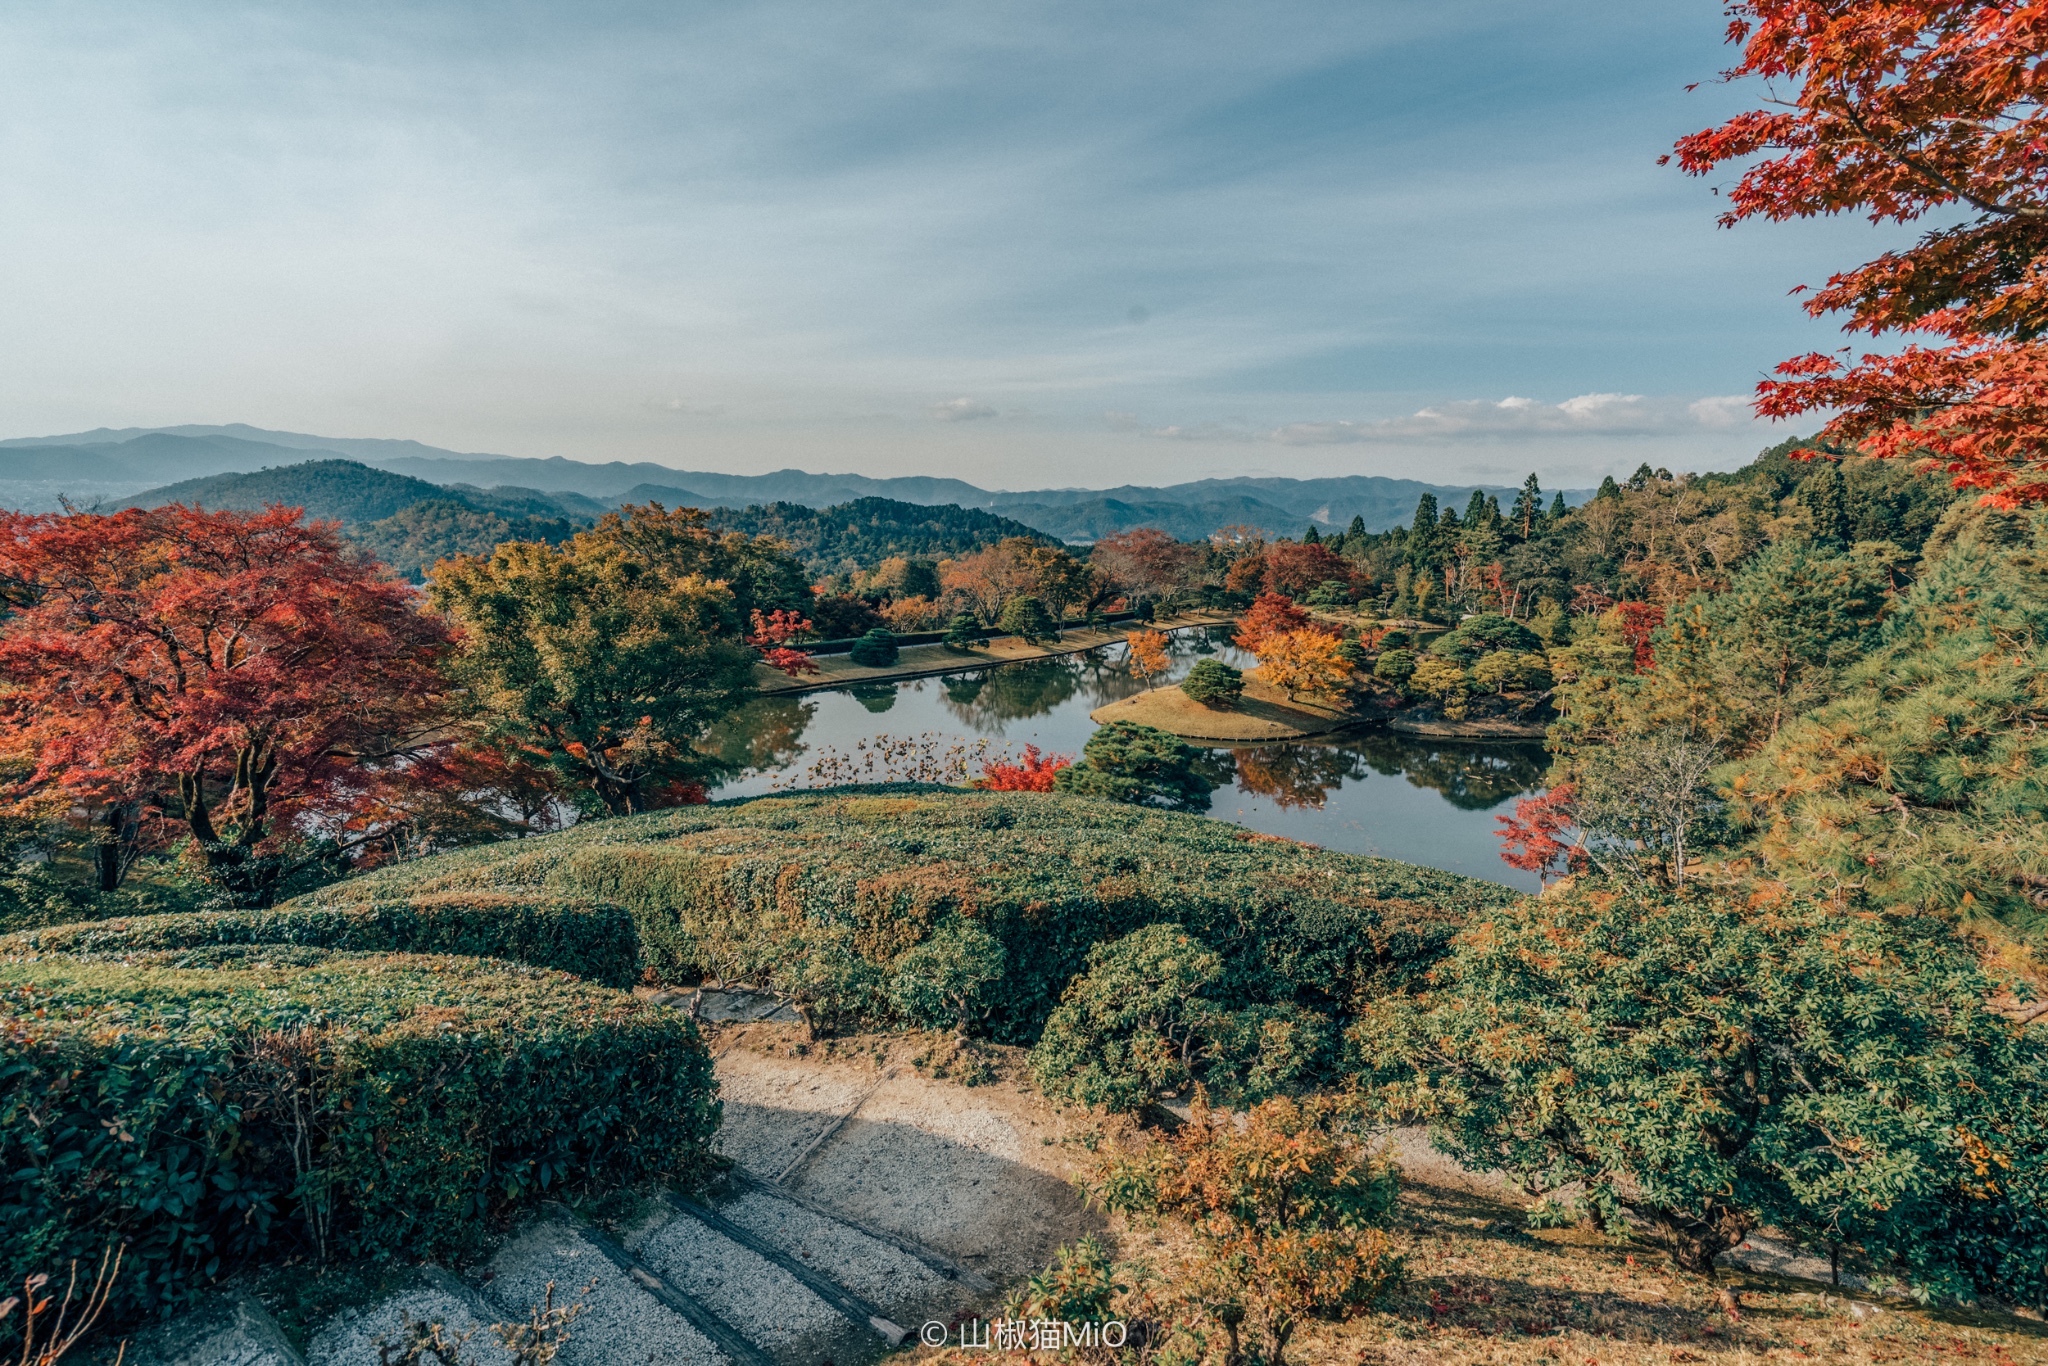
(1213,684)
(215,1107)
(875,650)
(1131,1027)
(1127,762)
(591,939)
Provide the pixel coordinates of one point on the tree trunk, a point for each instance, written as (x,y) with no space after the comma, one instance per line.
(1695,1240)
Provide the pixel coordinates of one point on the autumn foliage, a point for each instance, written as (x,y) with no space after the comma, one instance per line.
(1270,614)
(1031,771)
(1304,661)
(1284,1209)
(1901,109)
(772,635)
(1533,839)
(247,674)
(1639,623)
(1147,653)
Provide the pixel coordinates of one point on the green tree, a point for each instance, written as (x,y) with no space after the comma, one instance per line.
(944,980)
(1213,684)
(606,658)
(1484,634)
(1718,1066)
(1132,1027)
(1025,617)
(875,650)
(1144,765)
(1922,783)
(962,632)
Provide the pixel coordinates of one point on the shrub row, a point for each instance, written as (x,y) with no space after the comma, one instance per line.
(590,939)
(210,1106)
(824,895)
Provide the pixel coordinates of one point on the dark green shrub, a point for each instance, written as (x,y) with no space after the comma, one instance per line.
(1025,617)
(1395,666)
(1482,635)
(587,938)
(875,650)
(214,1106)
(962,632)
(1132,1027)
(1330,593)
(1149,1019)
(1722,1065)
(944,981)
(1353,653)
(1213,684)
(1144,765)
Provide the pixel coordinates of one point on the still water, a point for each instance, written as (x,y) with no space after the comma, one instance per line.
(1422,801)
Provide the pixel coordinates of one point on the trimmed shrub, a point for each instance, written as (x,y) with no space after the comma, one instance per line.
(218,1105)
(1143,765)
(587,938)
(1213,684)
(875,650)
(962,632)
(821,894)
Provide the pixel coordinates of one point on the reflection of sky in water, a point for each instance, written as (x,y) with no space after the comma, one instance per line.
(1424,801)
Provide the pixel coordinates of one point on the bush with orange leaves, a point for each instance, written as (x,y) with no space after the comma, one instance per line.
(1287,1211)
(1305,661)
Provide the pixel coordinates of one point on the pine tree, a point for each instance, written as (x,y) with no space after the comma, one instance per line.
(1528,506)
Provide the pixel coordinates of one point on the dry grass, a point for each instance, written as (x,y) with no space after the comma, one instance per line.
(1479,1289)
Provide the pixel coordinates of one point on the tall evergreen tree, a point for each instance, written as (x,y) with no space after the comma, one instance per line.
(1558,511)
(1609,489)
(1528,507)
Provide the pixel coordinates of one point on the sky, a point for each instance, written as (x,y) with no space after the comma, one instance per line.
(1024,244)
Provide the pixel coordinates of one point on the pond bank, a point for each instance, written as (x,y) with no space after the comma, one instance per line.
(926,661)
(1263,715)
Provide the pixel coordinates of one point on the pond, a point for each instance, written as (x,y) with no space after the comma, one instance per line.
(1420,800)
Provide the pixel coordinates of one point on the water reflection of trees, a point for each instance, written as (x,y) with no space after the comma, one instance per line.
(1471,777)
(1014,692)
(1296,775)
(767,733)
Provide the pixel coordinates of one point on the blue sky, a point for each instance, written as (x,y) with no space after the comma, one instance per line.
(1025,244)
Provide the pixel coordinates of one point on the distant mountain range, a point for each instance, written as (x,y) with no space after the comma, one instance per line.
(115,466)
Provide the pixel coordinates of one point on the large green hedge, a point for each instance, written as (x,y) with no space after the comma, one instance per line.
(215,1105)
(822,895)
(575,934)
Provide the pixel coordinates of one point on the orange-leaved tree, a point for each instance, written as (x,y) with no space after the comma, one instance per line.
(248,674)
(1304,661)
(1148,653)
(1270,614)
(1285,1210)
(1901,109)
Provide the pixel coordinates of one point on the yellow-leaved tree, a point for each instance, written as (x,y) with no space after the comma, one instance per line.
(1304,661)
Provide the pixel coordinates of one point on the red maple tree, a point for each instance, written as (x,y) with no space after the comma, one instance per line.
(772,635)
(1533,838)
(1031,772)
(250,676)
(1270,614)
(1639,621)
(1905,108)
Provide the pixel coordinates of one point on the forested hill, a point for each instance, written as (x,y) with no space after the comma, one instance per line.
(410,523)
(862,533)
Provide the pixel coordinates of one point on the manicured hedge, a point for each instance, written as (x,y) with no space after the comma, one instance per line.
(212,1106)
(823,894)
(590,939)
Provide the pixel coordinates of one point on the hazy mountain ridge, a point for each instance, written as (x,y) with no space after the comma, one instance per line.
(121,465)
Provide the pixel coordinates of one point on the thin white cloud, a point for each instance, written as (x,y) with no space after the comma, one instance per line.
(962,410)
(1602,415)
